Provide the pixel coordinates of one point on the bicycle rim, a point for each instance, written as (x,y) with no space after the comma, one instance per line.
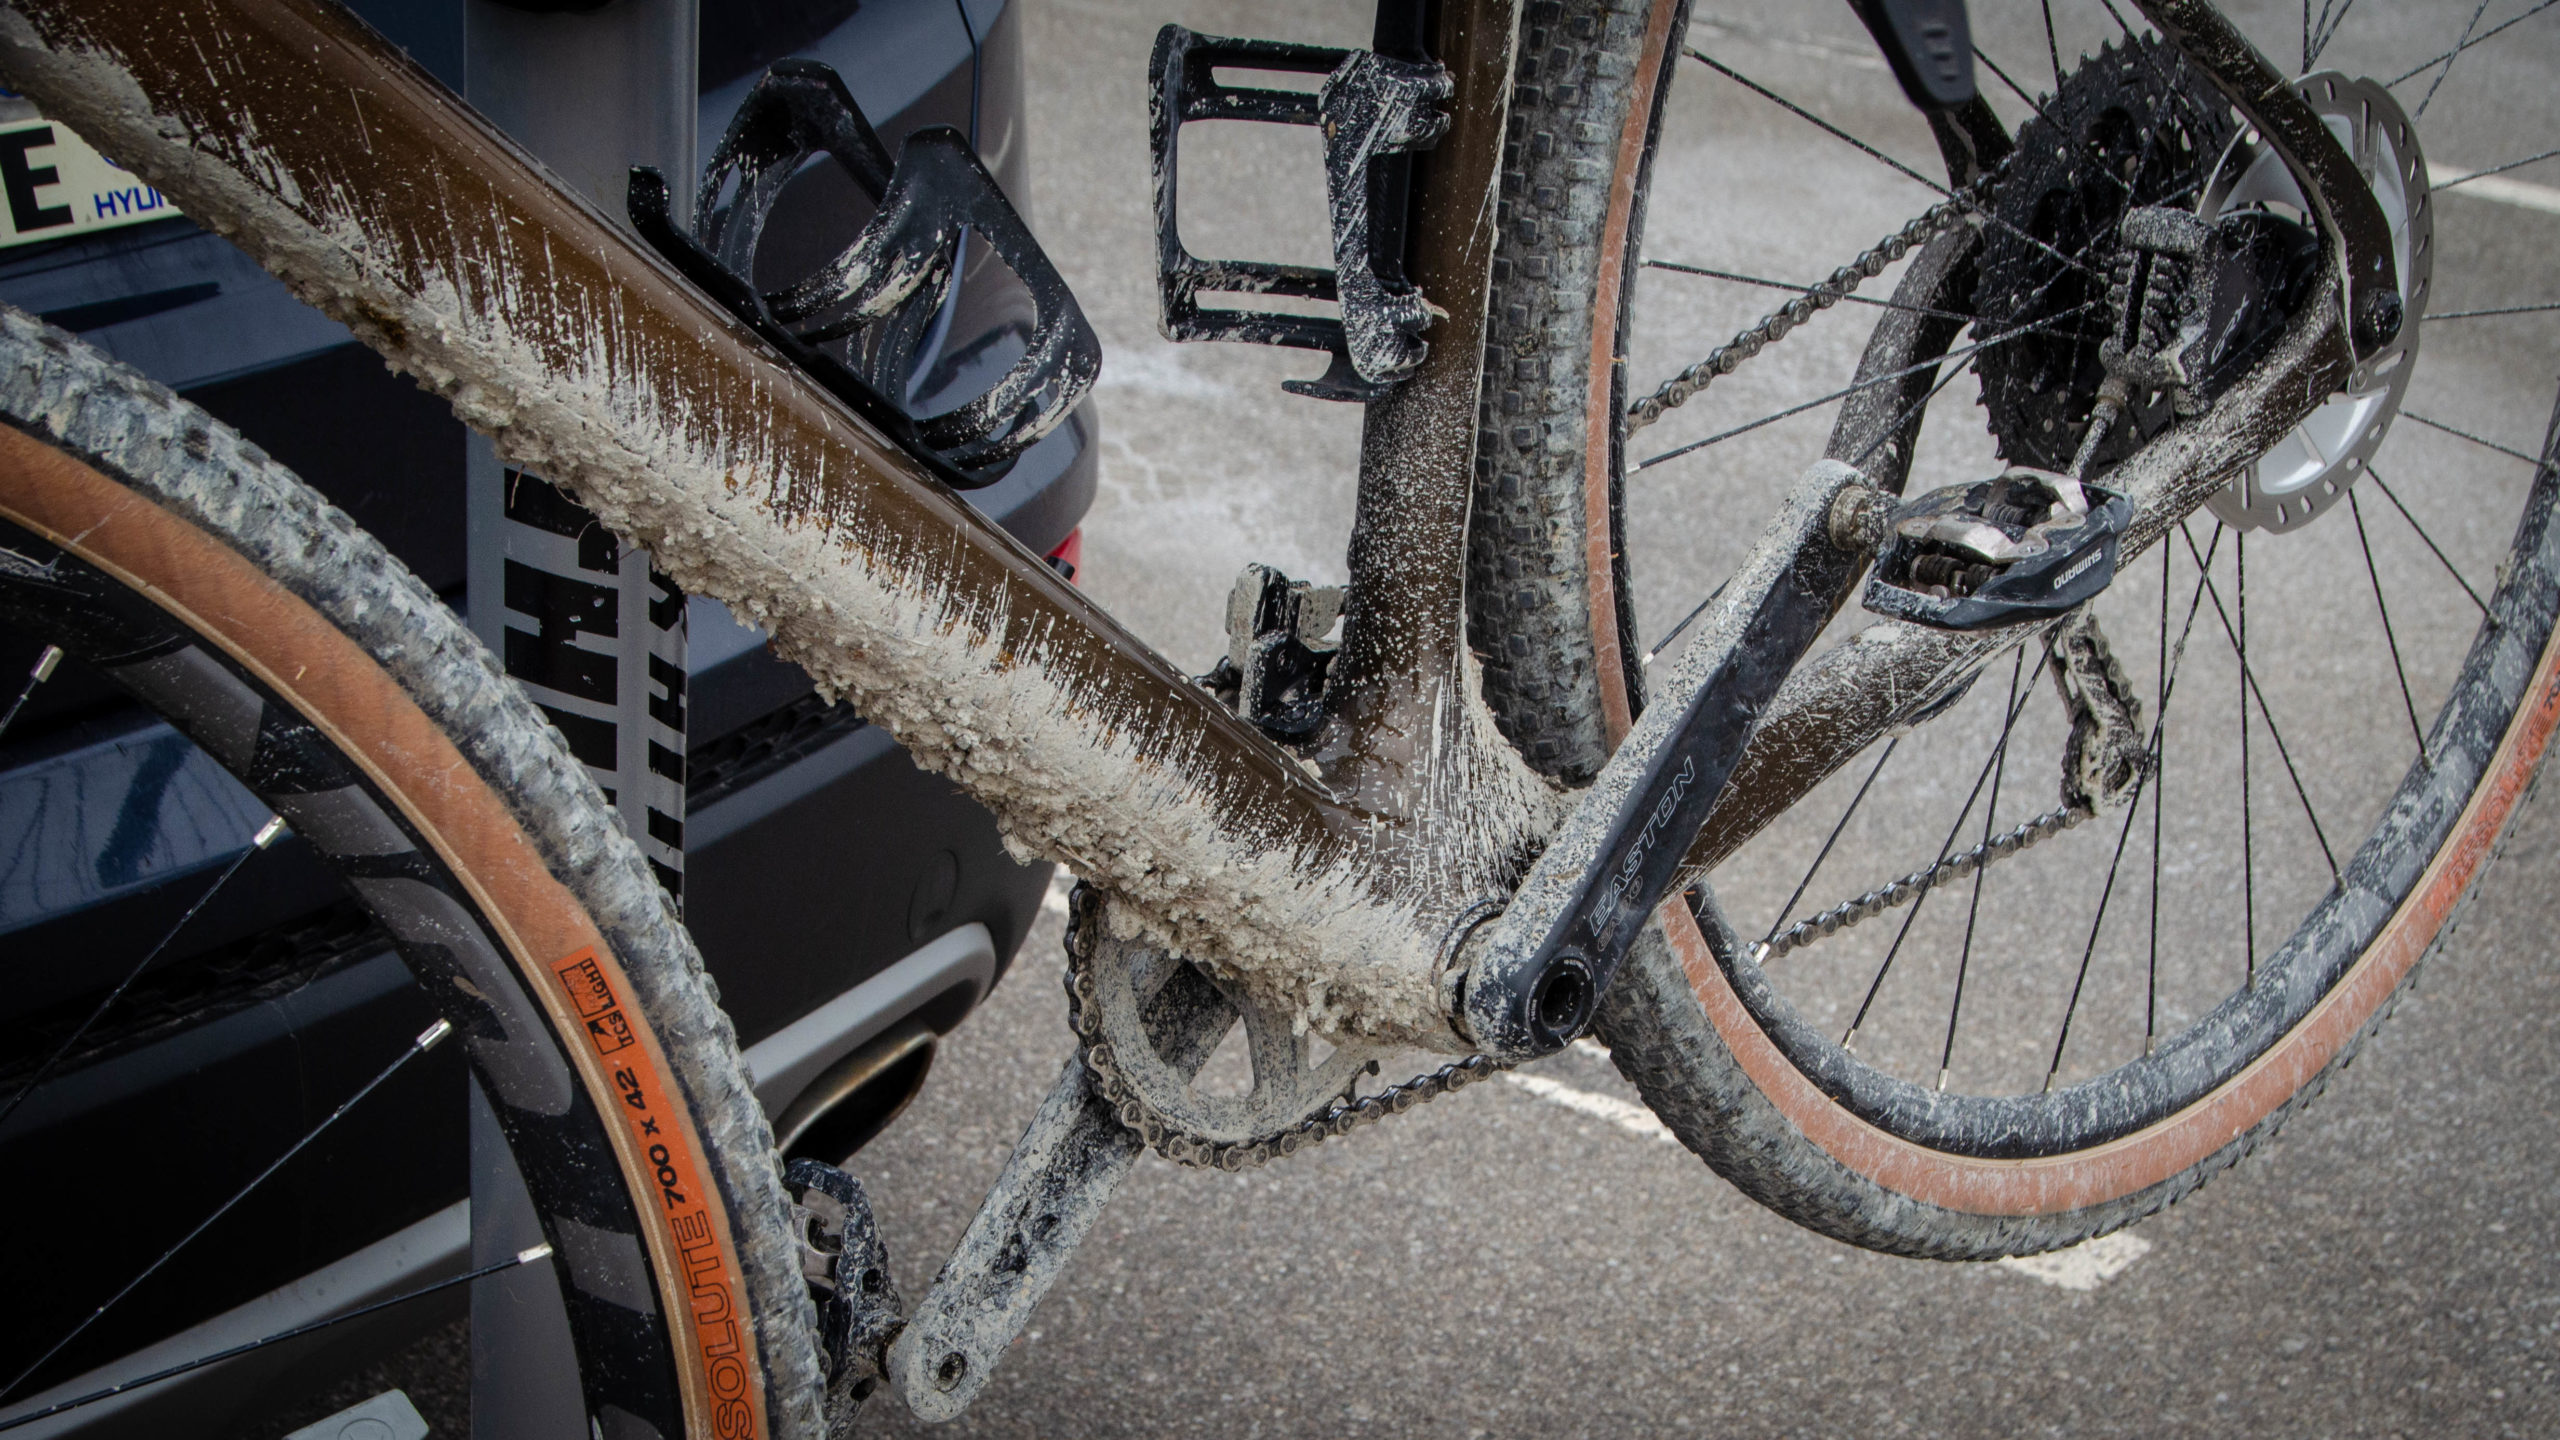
(1747,1062)
(229,598)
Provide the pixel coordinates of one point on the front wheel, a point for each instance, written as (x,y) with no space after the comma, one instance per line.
(145,546)
(1922,1039)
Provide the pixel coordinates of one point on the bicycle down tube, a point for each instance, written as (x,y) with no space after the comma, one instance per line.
(383,200)
(1344,893)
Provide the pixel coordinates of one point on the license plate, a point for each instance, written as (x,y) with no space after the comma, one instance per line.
(56,186)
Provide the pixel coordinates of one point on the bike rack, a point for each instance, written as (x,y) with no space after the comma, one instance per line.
(884,288)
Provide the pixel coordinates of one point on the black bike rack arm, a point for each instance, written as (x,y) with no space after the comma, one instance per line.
(889,281)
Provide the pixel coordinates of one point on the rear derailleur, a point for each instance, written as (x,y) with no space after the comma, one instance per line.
(2192,305)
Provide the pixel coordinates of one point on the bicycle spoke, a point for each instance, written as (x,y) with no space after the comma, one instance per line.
(2438,83)
(1828,128)
(2248,834)
(2474,439)
(2105,894)
(2441,186)
(1726,358)
(1674,632)
(1945,848)
(2325,32)
(2159,797)
(2430,541)
(2175,94)
(2172,661)
(2052,46)
(1865,385)
(2500,310)
(1833,839)
(2389,639)
(426,1041)
(527,1256)
(1677,268)
(2155,752)
(1886,436)
(2032,102)
(266,836)
(42,672)
(1973,908)
(1801,113)
(2484,36)
(2249,686)
(1889,432)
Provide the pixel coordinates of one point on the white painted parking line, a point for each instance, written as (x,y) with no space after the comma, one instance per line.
(2081,1268)
(2084,1266)
(1632,1118)
(2523,194)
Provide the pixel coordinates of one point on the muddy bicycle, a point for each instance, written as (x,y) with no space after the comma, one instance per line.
(1485,796)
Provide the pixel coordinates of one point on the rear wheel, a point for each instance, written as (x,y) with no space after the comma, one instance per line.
(157,549)
(2045,1053)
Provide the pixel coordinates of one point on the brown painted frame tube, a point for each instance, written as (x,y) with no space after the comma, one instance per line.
(294,131)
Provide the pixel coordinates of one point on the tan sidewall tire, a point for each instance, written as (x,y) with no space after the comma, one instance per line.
(123,475)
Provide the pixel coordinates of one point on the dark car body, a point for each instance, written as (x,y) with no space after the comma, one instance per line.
(837,892)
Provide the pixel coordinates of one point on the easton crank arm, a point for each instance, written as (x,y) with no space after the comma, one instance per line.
(1534,975)
(1531,979)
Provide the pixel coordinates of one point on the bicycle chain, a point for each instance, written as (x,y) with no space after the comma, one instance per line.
(1199,1152)
(1727,358)
(1919,882)
(2082,662)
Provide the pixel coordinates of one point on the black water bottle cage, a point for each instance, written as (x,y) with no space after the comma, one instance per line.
(882,293)
(1373,111)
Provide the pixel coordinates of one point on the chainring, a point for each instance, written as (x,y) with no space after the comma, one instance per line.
(1151,1079)
(2131,125)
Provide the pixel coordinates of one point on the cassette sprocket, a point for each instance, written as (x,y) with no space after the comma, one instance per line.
(2132,125)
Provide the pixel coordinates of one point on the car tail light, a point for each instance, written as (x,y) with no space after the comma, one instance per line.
(1069,556)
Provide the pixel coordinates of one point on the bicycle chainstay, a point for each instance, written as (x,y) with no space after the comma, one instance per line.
(1199,1152)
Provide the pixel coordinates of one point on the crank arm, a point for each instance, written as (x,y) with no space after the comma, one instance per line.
(1067,1166)
(1533,979)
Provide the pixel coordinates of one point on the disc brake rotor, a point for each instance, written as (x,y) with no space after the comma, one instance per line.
(2306,471)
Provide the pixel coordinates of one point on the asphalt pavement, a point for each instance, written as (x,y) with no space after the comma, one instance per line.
(1534,1256)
